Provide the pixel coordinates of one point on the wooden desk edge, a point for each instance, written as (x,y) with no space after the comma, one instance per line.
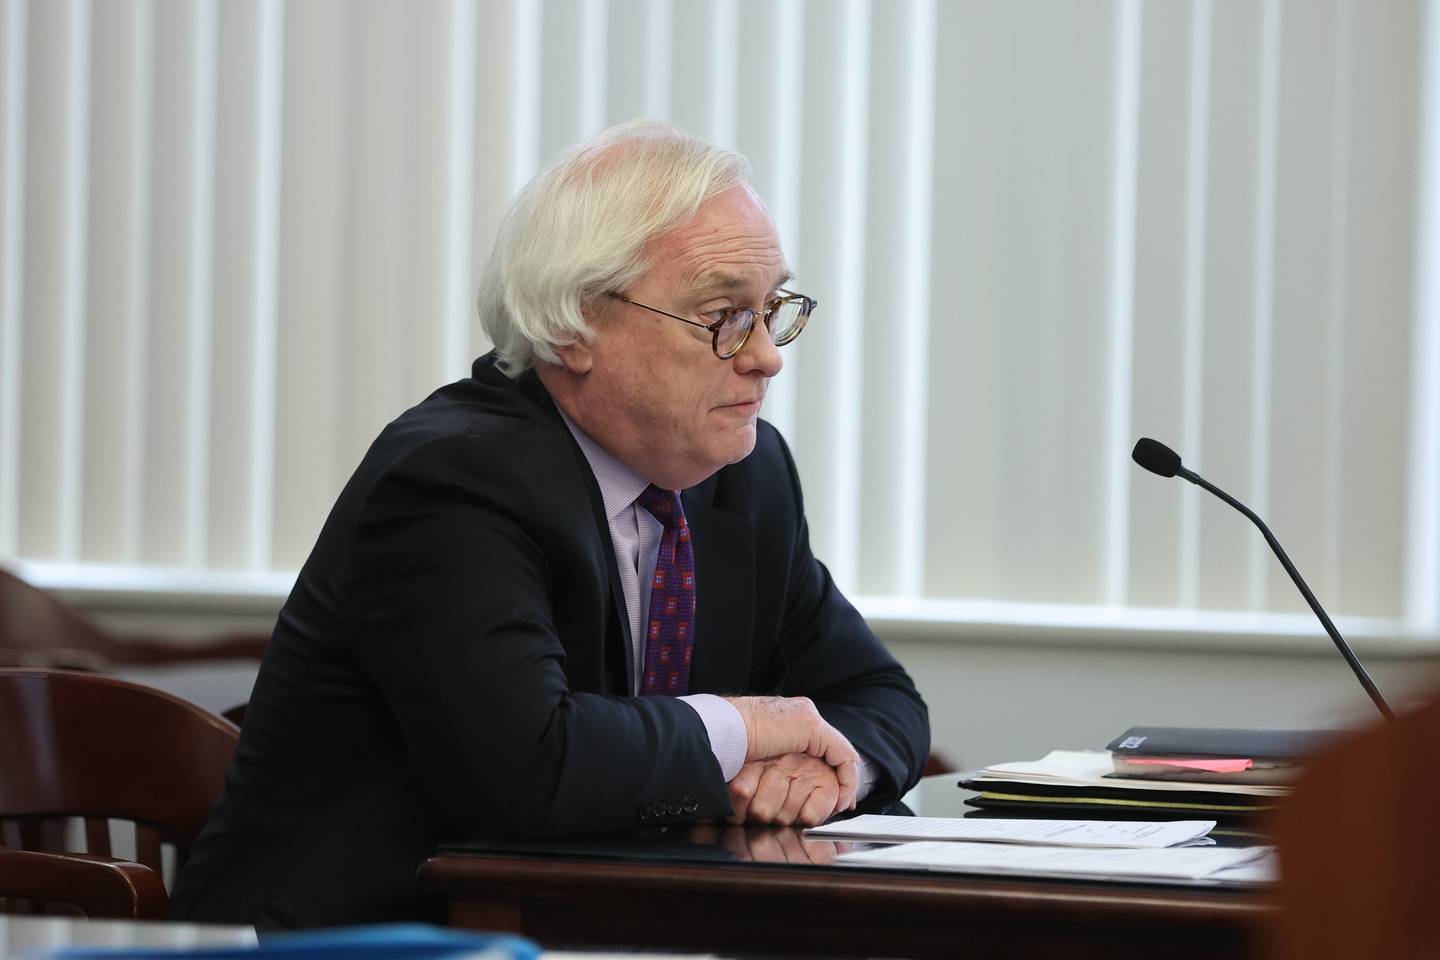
(517,876)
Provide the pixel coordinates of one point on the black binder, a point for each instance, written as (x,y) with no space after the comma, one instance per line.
(1217,742)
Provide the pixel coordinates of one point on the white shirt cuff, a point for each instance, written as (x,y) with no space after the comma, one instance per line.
(726,729)
(868,774)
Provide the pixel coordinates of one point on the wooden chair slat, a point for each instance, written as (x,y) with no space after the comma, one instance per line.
(114,750)
(147,846)
(52,835)
(97,836)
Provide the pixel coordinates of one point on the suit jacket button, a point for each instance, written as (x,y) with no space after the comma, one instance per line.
(675,808)
(645,810)
(692,803)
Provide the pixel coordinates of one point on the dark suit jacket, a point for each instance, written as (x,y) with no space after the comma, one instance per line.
(454,657)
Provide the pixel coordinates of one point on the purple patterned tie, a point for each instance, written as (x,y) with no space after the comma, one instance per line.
(670,634)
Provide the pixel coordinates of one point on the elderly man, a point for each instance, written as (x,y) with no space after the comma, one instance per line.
(573,593)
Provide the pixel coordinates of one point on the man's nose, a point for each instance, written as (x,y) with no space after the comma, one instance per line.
(759,355)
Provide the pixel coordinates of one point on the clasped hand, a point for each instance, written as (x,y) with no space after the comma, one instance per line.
(798,768)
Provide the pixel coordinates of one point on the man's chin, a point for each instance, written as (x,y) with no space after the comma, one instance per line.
(742,443)
(739,443)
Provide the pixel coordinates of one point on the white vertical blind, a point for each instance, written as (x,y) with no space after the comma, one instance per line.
(237,238)
(1381,282)
(960,486)
(117,311)
(829,372)
(1423,506)
(704,61)
(1168,237)
(53,299)
(312,316)
(1221,403)
(1120,301)
(1262,317)
(181,293)
(769,133)
(896,300)
(242,362)
(13,76)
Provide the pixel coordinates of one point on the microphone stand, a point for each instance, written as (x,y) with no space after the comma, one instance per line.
(1340,644)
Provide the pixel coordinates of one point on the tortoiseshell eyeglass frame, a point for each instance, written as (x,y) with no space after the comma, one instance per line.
(807,306)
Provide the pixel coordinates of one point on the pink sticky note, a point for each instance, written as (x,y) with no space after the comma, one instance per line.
(1209,766)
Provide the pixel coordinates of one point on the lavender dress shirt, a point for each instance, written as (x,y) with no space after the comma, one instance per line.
(635,535)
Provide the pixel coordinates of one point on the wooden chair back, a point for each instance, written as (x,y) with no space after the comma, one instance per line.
(38,630)
(1360,846)
(80,745)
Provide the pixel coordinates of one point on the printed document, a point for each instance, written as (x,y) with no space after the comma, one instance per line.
(1068,833)
(1184,863)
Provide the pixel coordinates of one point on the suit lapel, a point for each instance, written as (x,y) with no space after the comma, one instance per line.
(724,547)
(617,637)
(617,655)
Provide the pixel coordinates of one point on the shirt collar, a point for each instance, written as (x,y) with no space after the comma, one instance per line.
(619,485)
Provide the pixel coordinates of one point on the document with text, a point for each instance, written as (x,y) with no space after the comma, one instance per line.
(1067,833)
(1184,863)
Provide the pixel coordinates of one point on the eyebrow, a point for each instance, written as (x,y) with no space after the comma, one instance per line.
(719,280)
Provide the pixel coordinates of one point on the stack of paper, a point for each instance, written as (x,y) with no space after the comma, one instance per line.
(1175,851)
(1068,780)
(1218,865)
(1068,833)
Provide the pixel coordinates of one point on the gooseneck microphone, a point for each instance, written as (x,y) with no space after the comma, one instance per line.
(1160,459)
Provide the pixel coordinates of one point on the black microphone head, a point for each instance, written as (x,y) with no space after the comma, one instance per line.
(1156,457)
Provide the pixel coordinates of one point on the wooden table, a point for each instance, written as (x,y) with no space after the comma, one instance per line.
(669,892)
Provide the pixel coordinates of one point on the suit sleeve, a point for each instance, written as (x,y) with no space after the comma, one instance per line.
(832,657)
(451,598)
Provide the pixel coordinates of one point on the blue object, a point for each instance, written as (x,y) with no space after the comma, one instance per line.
(402,941)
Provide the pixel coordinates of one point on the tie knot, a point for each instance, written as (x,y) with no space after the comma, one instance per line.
(664,505)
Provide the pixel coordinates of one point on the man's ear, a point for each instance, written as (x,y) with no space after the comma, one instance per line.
(577,357)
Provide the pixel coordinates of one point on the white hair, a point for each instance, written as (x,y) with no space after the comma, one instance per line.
(579,228)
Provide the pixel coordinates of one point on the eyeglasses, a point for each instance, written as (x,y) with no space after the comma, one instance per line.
(784,317)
